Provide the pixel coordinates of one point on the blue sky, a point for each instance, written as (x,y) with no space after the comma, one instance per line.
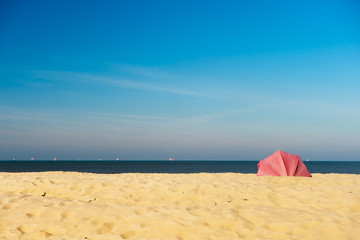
(193,80)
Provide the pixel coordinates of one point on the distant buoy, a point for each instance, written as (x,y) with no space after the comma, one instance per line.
(171,159)
(32,159)
(55,159)
(117,159)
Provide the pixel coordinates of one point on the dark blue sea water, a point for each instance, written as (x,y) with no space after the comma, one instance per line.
(165,166)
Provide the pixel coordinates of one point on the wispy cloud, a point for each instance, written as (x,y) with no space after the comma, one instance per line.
(144,71)
(118,82)
(106,120)
(87,118)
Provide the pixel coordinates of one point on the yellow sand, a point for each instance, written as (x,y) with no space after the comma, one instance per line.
(178,206)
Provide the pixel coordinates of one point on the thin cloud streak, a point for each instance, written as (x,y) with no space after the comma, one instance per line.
(84,118)
(112,121)
(9,113)
(118,82)
(247,96)
(149,72)
(243,96)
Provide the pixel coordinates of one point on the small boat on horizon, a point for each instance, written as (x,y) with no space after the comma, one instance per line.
(171,159)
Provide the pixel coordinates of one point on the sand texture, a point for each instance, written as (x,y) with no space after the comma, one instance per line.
(67,205)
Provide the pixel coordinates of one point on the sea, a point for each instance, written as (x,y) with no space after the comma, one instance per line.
(347,167)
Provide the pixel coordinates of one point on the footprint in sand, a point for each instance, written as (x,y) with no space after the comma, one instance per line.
(7,206)
(27,228)
(105,228)
(140,212)
(30,215)
(128,234)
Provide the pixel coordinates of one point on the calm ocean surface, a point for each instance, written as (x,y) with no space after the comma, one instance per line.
(165,166)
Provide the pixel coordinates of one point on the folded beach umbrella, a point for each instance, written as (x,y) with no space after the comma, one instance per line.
(282,164)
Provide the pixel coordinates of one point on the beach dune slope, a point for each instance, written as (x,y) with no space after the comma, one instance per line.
(68,205)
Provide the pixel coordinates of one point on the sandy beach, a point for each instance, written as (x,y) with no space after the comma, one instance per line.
(69,205)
